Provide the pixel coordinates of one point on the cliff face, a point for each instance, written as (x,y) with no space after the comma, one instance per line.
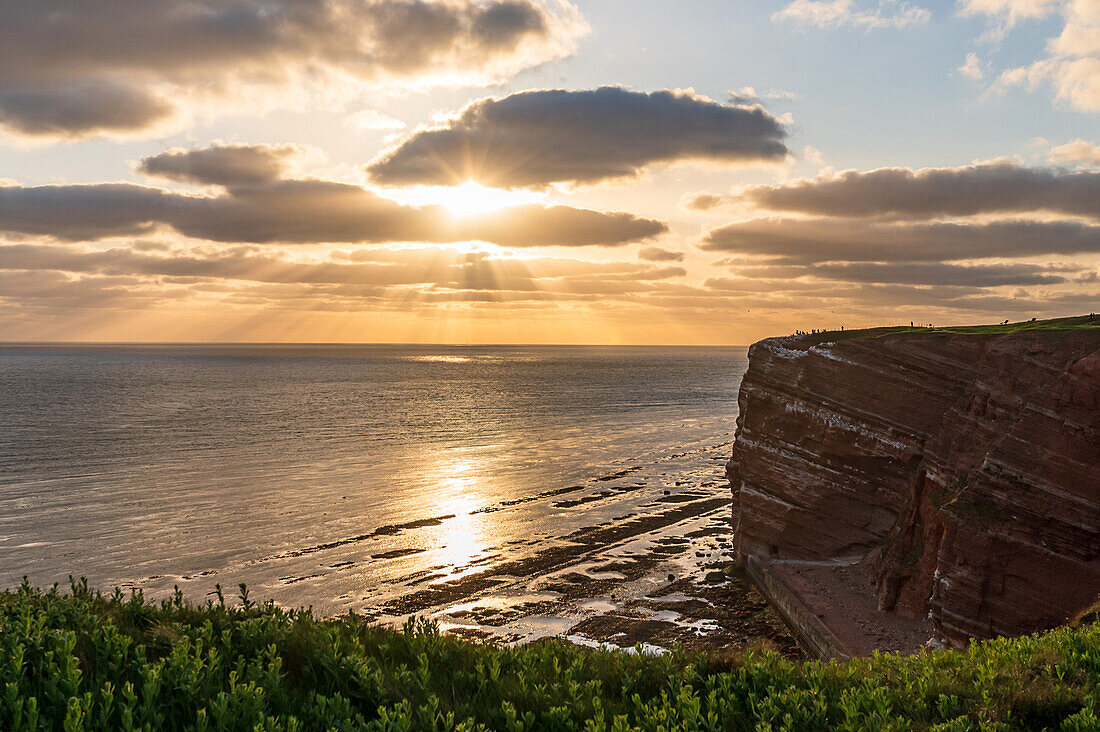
(960,472)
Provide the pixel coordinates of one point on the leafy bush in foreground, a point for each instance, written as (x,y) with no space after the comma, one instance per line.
(87,661)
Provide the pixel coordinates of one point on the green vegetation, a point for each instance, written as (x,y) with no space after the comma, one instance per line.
(940,497)
(1081,322)
(914,555)
(81,660)
(1055,325)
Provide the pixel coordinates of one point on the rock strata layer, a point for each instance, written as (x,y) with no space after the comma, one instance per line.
(961,473)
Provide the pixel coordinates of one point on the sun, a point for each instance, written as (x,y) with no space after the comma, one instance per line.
(471,199)
(467,199)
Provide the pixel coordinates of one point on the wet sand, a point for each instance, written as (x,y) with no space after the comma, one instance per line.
(642,558)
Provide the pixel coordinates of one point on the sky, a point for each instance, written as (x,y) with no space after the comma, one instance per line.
(543,171)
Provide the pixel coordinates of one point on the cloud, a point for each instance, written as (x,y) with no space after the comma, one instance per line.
(1076,81)
(1080,35)
(78,69)
(747,95)
(71,296)
(80,108)
(299,212)
(260,206)
(80,277)
(223,165)
(534,225)
(1077,151)
(842,13)
(972,68)
(87,212)
(536,138)
(1011,10)
(656,254)
(998,187)
(55,290)
(703,201)
(910,273)
(1072,64)
(404,267)
(948,240)
(847,240)
(883,304)
(812,155)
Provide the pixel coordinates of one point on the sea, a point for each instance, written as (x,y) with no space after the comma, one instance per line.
(344,476)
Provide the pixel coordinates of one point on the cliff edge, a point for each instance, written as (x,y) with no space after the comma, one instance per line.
(957,471)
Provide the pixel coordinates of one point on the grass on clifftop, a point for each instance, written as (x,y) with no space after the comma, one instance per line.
(80,660)
(1054,325)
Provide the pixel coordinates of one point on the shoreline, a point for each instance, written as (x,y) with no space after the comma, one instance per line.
(642,553)
(656,572)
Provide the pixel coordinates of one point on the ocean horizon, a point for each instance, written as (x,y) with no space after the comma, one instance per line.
(351,477)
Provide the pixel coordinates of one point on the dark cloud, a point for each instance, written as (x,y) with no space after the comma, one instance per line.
(915,273)
(499,23)
(243,263)
(81,68)
(307,211)
(746,285)
(78,212)
(299,212)
(224,165)
(78,109)
(703,201)
(535,138)
(897,237)
(656,254)
(931,192)
(802,241)
(561,225)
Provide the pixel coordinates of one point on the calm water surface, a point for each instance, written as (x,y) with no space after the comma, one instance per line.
(133,464)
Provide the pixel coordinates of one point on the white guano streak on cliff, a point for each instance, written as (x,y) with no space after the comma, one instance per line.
(825,350)
(764,495)
(834,420)
(789,453)
(775,345)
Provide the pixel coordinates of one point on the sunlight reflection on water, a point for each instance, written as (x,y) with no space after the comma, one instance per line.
(463,538)
(161,465)
(441,359)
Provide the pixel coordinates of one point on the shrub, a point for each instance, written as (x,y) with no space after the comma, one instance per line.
(84,660)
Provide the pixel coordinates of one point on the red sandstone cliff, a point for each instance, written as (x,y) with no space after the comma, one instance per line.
(960,472)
